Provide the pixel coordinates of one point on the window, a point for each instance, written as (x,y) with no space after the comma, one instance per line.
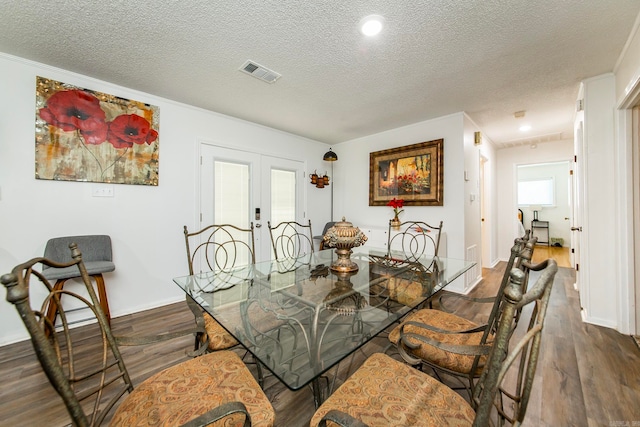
(536,192)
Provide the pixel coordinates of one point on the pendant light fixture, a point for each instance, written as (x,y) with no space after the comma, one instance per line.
(330,156)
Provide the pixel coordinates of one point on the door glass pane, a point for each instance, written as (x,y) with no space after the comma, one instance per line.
(231,206)
(283,206)
(283,196)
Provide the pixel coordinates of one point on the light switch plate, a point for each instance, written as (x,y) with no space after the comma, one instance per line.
(102,191)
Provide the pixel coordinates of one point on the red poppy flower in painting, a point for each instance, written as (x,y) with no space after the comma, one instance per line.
(74,109)
(128,129)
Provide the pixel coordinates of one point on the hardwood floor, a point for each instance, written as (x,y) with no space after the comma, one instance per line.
(559,254)
(587,375)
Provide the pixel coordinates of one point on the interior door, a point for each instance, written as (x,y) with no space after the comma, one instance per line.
(239,187)
(576,204)
(484,234)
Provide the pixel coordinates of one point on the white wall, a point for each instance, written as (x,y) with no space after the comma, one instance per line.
(479,248)
(145,223)
(599,283)
(508,159)
(352,181)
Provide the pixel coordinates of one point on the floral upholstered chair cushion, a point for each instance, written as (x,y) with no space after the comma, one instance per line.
(435,356)
(385,392)
(187,390)
(405,291)
(219,338)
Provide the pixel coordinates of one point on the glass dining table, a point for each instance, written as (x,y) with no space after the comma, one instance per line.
(299,318)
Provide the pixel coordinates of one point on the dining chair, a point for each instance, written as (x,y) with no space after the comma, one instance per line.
(414,239)
(290,239)
(434,331)
(387,392)
(413,242)
(86,368)
(220,248)
(98,260)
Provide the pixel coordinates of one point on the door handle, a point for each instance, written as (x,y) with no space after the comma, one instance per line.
(576,228)
(258,225)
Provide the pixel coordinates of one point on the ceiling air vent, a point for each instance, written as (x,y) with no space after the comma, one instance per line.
(259,72)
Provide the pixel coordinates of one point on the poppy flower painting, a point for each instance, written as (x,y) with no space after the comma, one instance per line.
(83,135)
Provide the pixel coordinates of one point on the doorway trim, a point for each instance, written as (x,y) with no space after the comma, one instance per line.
(628,316)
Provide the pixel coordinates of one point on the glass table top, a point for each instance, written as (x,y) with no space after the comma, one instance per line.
(299,318)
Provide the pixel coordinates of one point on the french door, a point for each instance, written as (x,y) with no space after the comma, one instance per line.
(240,188)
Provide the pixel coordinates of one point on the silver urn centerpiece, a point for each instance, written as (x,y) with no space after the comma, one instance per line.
(343,236)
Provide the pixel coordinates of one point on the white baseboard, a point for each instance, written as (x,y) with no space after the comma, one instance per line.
(598,322)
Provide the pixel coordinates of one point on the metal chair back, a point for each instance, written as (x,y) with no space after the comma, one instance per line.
(219,247)
(414,239)
(59,347)
(506,381)
(521,253)
(290,239)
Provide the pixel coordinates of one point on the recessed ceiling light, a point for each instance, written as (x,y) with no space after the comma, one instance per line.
(371,25)
(525,128)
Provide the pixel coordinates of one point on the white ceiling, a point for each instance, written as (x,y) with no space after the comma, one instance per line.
(489,58)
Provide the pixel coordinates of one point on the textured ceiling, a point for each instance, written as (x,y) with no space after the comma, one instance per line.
(488,58)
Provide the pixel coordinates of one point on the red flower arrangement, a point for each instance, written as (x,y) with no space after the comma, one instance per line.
(397,205)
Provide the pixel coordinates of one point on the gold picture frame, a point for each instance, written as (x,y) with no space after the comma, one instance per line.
(413,173)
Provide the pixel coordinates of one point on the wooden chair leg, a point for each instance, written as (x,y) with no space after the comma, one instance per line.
(52,309)
(102,295)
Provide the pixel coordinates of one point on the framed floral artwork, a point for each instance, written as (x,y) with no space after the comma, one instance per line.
(413,173)
(83,135)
